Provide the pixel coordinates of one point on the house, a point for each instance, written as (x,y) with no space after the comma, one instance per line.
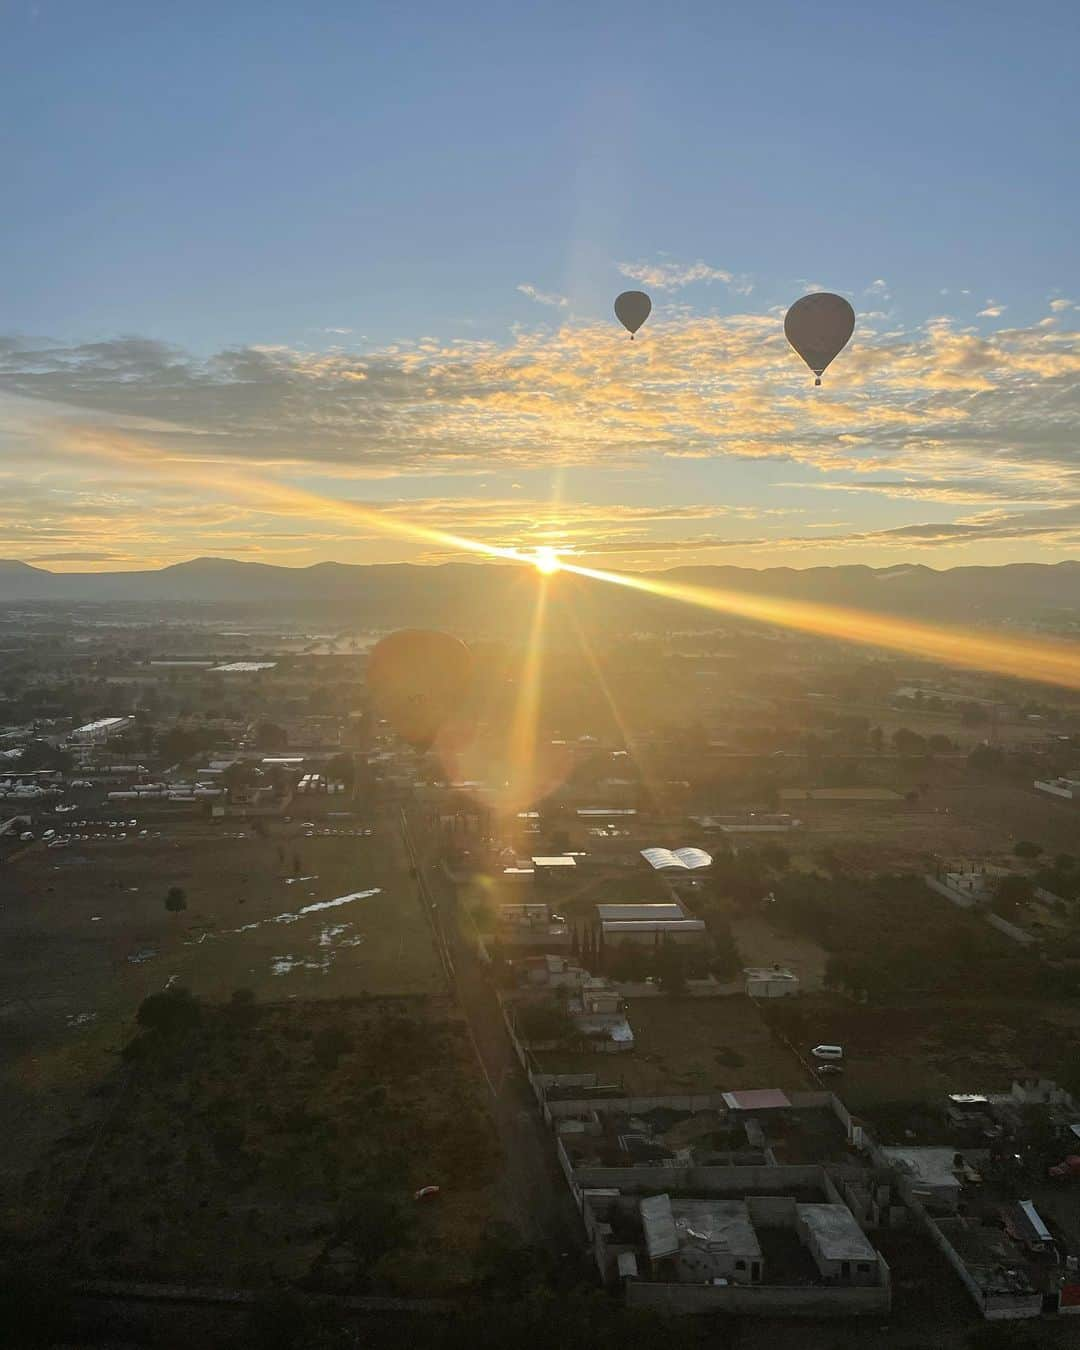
(936,1174)
(840,1248)
(706,1239)
(770,982)
(1034,1091)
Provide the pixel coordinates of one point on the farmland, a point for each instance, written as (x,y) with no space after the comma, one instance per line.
(86,936)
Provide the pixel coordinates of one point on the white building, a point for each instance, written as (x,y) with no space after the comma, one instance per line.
(770,982)
(97,733)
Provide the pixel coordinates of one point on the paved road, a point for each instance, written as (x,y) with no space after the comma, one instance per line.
(536,1197)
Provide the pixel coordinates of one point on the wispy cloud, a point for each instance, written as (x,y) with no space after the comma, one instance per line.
(993,310)
(543,297)
(673,276)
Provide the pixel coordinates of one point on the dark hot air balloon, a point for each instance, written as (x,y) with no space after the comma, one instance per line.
(418,680)
(818,327)
(632,308)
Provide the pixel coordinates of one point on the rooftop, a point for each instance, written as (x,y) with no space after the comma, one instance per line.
(679,859)
(838,1235)
(716,1225)
(645,910)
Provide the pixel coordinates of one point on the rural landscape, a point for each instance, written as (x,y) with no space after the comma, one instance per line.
(539,676)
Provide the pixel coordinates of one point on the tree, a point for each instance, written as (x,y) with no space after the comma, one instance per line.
(1010,894)
(269,736)
(939,744)
(671,967)
(169,1012)
(1026,849)
(175,899)
(907,742)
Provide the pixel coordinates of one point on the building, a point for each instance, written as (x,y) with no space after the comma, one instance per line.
(770,982)
(768,1241)
(707,1240)
(653,931)
(639,912)
(677,860)
(97,733)
(841,1250)
(1069,787)
(937,1175)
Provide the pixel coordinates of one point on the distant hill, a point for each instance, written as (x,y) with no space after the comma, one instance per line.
(468,594)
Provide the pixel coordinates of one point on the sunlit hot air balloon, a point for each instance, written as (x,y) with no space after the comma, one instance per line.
(632,308)
(818,327)
(418,680)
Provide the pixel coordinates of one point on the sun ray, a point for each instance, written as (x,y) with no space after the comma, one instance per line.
(1026,658)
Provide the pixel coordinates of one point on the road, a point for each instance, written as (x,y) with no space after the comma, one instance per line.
(535,1194)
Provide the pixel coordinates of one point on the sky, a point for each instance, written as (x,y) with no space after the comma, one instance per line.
(292,283)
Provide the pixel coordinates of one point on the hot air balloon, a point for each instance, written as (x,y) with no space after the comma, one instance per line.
(418,679)
(632,308)
(818,327)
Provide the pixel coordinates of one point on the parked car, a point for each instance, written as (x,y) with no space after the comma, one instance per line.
(828,1052)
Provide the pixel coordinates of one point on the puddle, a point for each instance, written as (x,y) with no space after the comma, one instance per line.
(293,881)
(296,915)
(282,965)
(143,954)
(81,1019)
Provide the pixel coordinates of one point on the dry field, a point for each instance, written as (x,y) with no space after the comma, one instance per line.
(974,821)
(922,1052)
(691,1045)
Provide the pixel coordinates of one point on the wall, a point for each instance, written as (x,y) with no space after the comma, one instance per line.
(736,1181)
(963,901)
(764,1300)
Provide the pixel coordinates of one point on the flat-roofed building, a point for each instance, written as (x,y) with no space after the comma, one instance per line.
(840,1248)
(651,931)
(646,910)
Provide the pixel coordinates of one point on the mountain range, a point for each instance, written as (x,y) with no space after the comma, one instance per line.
(469,594)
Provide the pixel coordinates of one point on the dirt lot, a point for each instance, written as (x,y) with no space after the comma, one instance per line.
(922,1052)
(285,1142)
(691,1045)
(982,821)
(84,937)
(760,943)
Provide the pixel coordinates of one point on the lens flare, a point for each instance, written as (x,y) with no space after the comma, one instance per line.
(546,560)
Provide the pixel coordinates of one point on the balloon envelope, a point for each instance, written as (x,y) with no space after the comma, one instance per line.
(632,308)
(818,327)
(418,679)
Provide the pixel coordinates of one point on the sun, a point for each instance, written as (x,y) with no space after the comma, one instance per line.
(546,560)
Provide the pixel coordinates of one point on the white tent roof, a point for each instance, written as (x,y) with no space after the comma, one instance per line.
(679,859)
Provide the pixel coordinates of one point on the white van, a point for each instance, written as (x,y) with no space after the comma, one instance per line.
(828,1052)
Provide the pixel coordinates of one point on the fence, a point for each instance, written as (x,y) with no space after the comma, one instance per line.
(962,900)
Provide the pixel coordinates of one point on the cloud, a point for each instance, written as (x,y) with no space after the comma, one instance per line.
(880,289)
(1061,304)
(993,310)
(75,557)
(127,445)
(672,276)
(543,297)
